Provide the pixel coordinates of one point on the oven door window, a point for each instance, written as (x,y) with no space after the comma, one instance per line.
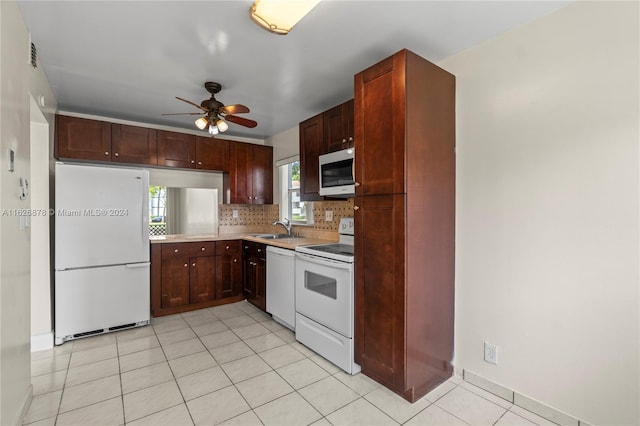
(320,284)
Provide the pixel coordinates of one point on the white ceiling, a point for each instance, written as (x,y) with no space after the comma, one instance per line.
(128,60)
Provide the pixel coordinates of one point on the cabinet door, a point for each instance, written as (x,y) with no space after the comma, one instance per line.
(212,154)
(261,174)
(202,279)
(176,149)
(174,286)
(338,127)
(260,299)
(228,275)
(82,139)
(132,144)
(380,287)
(380,128)
(249,281)
(311,146)
(239,182)
(250,178)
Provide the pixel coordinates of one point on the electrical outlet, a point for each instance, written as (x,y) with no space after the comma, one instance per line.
(328,215)
(490,353)
(234,214)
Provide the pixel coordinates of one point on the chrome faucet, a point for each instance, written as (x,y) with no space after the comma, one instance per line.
(286,224)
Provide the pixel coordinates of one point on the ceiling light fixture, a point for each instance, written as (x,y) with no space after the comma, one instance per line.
(202,122)
(279,16)
(213,130)
(222,126)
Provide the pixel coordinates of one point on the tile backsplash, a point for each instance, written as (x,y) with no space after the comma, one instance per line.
(340,209)
(248,215)
(255,216)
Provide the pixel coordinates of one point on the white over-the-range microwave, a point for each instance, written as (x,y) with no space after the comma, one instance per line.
(337,178)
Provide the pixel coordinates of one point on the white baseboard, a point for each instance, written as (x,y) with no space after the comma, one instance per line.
(26,402)
(522,401)
(40,342)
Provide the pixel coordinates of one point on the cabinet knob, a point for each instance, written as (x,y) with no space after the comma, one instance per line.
(356,208)
(350,138)
(255,198)
(356,184)
(200,163)
(186,264)
(235,260)
(175,251)
(259,250)
(246,247)
(202,248)
(193,264)
(116,154)
(227,248)
(344,140)
(106,153)
(249,197)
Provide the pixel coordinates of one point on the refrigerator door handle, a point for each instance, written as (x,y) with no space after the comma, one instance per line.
(137,265)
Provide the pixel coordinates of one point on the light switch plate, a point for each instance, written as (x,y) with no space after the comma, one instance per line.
(235,214)
(328,215)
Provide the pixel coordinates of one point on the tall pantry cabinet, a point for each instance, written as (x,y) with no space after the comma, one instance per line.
(404,219)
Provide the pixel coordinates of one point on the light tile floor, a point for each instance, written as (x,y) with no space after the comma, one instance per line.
(233,365)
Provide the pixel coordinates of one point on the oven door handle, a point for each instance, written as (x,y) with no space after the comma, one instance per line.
(323,261)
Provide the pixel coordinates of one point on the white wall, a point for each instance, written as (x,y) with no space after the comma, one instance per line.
(547,210)
(18,81)
(41,309)
(285,145)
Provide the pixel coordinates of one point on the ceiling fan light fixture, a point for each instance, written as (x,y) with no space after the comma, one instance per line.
(201,123)
(222,126)
(213,130)
(280,16)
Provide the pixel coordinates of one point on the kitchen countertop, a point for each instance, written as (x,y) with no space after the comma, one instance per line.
(287,243)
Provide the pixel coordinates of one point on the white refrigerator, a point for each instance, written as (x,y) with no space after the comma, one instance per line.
(101,250)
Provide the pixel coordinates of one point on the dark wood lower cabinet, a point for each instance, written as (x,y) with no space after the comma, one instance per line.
(188,276)
(255,274)
(404,299)
(228,269)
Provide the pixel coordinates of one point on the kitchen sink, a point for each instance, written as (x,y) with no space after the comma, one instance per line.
(274,236)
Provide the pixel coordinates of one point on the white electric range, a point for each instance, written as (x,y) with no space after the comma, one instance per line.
(324,284)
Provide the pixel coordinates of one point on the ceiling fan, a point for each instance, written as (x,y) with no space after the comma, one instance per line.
(216,114)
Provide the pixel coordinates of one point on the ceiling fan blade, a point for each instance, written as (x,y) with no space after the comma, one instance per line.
(185,113)
(191,103)
(234,109)
(241,121)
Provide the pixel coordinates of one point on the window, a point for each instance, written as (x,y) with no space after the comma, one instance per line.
(290,205)
(157,210)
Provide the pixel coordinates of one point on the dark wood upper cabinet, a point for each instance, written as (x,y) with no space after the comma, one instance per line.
(82,139)
(311,146)
(379,163)
(338,127)
(250,177)
(176,149)
(132,144)
(212,153)
(404,275)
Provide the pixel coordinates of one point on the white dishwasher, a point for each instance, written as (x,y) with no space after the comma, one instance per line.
(280,286)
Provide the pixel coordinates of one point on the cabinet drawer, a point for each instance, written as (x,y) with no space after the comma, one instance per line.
(250,248)
(207,248)
(233,247)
